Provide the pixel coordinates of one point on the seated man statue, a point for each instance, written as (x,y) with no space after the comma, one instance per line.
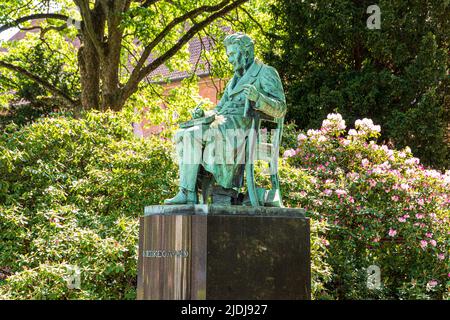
(254,85)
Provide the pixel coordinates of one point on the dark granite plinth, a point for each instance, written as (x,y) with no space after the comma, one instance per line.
(220,252)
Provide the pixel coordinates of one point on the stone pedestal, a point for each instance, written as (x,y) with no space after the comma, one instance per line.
(223,252)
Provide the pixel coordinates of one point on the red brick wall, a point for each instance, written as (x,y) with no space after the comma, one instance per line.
(208,88)
(211,88)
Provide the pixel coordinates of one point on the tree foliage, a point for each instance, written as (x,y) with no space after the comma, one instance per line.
(70,195)
(121,42)
(53,60)
(397,75)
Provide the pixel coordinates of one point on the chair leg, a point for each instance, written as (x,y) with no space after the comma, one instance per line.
(276,186)
(250,173)
(249,163)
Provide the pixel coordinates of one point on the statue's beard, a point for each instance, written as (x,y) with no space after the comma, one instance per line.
(239,64)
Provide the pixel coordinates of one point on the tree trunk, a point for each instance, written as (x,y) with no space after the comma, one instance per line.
(110,65)
(110,89)
(90,60)
(89,76)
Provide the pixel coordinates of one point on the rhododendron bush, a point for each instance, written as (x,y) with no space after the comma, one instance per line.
(382,206)
(71,192)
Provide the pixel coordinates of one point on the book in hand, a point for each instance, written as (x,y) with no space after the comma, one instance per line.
(198,121)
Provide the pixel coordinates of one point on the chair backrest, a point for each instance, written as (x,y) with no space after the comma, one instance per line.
(258,150)
(269,151)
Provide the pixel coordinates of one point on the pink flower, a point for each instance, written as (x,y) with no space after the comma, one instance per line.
(412,161)
(420,202)
(441,256)
(327,192)
(404,186)
(392,232)
(402,219)
(341,192)
(377,239)
(395,198)
(365,162)
(433,242)
(423,244)
(302,137)
(432,283)
(419,216)
(325,242)
(429,235)
(289,153)
(345,142)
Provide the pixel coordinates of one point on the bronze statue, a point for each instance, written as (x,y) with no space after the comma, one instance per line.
(212,138)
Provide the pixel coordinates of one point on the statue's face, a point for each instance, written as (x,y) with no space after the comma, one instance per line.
(236,57)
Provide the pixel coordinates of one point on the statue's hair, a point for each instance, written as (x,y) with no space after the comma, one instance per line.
(243,41)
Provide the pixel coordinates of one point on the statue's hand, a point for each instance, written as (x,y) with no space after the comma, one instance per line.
(209,113)
(197,113)
(250,92)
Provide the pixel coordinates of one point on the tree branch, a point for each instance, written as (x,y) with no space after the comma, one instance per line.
(33,17)
(189,15)
(209,62)
(188,36)
(269,34)
(89,25)
(139,72)
(55,91)
(43,31)
(148,3)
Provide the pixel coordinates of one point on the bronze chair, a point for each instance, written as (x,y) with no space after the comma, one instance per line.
(266,151)
(256,149)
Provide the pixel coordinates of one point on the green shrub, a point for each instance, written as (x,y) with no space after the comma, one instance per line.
(71,192)
(382,207)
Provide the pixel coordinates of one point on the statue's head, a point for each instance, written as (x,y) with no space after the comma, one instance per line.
(240,50)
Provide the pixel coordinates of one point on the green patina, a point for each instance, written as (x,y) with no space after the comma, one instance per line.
(254,92)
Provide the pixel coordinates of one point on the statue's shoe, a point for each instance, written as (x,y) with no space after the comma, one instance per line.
(183,197)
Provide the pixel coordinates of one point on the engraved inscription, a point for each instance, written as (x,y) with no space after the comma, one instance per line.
(165,253)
